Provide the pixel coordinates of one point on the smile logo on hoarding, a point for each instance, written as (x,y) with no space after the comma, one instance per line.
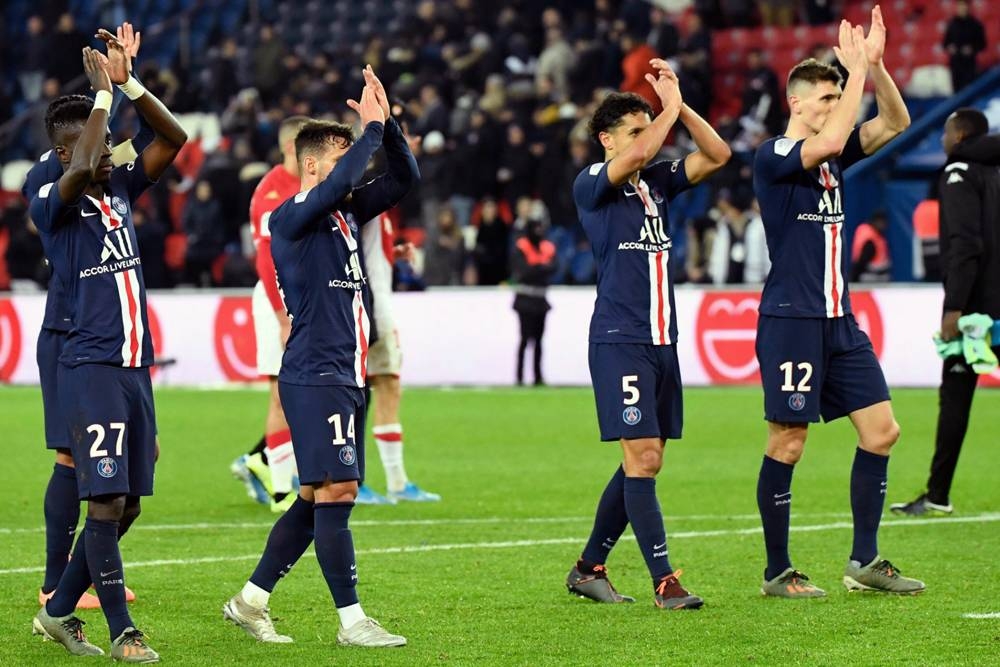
(725,329)
(10,340)
(235,341)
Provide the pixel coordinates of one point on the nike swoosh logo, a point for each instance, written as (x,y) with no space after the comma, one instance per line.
(782,495)
(659,546)
(105,574)
(354,567)
(87,215)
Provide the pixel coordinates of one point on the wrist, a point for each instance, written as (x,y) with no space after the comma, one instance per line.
(132,88)
(102,100)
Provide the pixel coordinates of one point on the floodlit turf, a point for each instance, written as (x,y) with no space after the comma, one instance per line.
(478,578)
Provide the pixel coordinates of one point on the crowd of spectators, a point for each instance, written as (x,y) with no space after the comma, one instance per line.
(499,100)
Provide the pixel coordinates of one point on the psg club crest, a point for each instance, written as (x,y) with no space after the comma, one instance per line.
(657,195)
(347,455)
(107,467)
(797,401)
(118,204)
(632,415)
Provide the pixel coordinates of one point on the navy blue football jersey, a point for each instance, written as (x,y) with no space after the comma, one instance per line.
(46,170)
(627,227)
(320,264)
(803,214)
(92,247)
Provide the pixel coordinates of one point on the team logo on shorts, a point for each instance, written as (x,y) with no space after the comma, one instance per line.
(796,401)
(632,415)
(107,467)
(118,204)
(347,455)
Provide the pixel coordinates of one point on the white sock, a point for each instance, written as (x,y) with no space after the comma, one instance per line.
(351,614)
(281,460)
(389,440)
(255,596)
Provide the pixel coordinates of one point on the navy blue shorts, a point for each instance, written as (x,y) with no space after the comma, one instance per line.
(328,431)
(816,367)
(638,391)
(112,428)
(50,346)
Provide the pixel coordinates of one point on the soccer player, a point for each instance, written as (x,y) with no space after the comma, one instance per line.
(814,360)
(85,222)
(61,505)
(270,479)
(384,363)
(633,358)
(321,272)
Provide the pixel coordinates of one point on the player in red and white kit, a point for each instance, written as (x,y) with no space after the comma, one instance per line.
(384,361)
(269,469)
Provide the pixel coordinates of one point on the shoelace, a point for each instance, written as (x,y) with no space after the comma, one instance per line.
(75,627)
(134,638)
(887,568)
(666,581)
(793,575)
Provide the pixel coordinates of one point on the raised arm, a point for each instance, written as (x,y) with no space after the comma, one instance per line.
(649,142)
(893,116)
(830,141)
(93,141)
(402,172)
(713,153)
(168,135)
(310,206)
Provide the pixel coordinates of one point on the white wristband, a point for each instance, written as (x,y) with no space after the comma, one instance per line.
(103,100)
(132,88)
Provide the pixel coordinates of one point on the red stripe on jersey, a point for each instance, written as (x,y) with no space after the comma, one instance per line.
(362,340)
(834,291)
(106,210)
(133,307)
(660,322)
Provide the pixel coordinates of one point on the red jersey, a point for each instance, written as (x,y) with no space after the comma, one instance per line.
(276,186)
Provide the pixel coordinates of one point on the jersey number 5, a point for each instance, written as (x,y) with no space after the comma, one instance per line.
(807,372)
(338,429)
(630,390)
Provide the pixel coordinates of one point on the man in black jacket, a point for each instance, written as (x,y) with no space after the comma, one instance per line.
(970,265)
(964,38)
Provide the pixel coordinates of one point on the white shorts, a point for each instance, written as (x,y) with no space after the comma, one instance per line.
(268,332)
(385,357)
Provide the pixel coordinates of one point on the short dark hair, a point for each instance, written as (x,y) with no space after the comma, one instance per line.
(66,111)
(316,135)
(611,111)
(970,123)
(813,71)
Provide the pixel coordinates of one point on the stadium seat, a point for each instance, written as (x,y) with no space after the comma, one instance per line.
(175,249)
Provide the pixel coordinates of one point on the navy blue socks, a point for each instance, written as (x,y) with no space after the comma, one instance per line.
(289,538)
(335,551)
(62,512)
(774,500)
(74,582)
(104,561)
(609,522)
(868,486)
(647,523)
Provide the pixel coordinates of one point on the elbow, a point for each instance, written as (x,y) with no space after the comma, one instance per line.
(722,155)
(179,139)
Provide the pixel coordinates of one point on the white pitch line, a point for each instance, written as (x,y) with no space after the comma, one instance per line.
(375,523)
(992,614)
(982,518)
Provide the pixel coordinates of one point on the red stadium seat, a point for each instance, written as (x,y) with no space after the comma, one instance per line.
(175,248)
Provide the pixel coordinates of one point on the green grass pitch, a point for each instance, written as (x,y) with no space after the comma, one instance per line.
(478,578)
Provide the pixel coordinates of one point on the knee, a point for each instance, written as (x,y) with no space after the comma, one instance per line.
(787,447)
(131,512)
(106,508)
(647,463)
(65,458)
(882,440)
